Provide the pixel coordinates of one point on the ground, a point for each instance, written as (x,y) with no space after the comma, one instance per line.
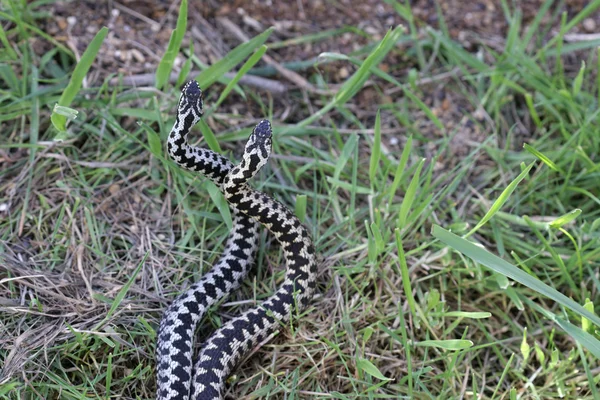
(99,232)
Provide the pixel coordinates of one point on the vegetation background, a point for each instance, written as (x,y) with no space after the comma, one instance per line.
(443,153)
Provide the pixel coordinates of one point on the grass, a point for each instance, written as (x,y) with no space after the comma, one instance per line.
(450,267)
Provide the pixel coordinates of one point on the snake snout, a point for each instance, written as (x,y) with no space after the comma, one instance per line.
(263,129)
(192,90)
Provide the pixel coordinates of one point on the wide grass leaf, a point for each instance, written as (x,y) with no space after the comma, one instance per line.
(368,367)
(587,340)
(357,80)
(87,58)
(565,219)
(300,208)
(7,45)
(376,151)
(163,71)
(233,58)
(410,195)
(501,199)
(542,157)
(451,344)
(209,136)
(243,71)
(222,205)
(503,267)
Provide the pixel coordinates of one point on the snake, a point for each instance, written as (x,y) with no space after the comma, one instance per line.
(223,350)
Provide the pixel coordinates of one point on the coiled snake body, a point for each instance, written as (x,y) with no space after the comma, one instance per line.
(229,344)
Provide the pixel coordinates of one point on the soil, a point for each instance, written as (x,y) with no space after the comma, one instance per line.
(140,31)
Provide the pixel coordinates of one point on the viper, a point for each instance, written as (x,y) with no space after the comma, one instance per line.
(227,346)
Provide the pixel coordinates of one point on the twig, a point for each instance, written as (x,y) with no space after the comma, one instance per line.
(213,37)
(286,73)
(155,26)
(581,37)
(93,164)
(269,85)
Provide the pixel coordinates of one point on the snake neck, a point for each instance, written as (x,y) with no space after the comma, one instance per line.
(212,165)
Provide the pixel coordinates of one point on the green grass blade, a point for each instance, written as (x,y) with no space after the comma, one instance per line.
(81,69)
(186,67)
(588,341)
(357,80)
(533,26)
(405,274)
(243,71)
(409,196)
(9,387)
(109,373)
(300,208)
(400,170)
(543,158)
(7,74)
(368,367)
(565,219)
(534,115)
(7,46)
(459,55)
(353,84)
(121,295)
(507,369)
(219,200)
(578,81)
(503,267)
(589,9)
(426,110)
(209,136)
(376,151)
(153,139)
(585,323)
(345,155)
(467,314)
(501,199)
(451,344)
(163,71)
(234,57)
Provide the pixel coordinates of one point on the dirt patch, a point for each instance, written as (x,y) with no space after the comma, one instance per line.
(140,30)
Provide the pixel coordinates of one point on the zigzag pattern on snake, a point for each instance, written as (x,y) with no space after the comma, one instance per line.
(228,345)
(176,331)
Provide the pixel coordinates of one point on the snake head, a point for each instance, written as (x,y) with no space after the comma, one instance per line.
(259,141)
(191,99)
(263,131)
(256,154)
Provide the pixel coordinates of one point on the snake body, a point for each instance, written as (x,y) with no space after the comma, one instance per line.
(176,330)
(224,349)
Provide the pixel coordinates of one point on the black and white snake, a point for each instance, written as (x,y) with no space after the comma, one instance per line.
(176,378)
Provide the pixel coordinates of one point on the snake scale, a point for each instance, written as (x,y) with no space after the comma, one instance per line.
(225,348)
